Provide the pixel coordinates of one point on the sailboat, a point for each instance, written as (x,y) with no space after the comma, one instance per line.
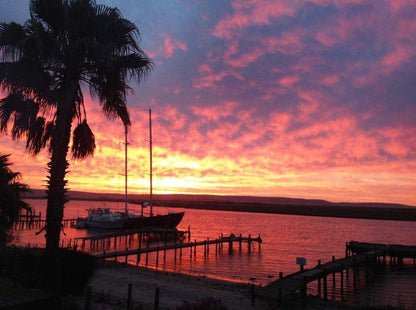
(107,219)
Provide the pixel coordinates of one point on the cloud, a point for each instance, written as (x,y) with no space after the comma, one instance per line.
(170,46)
(290,98)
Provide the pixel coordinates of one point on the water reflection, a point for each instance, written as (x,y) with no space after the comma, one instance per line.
(285,237)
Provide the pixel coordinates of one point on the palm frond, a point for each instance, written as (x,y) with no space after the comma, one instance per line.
(51,12)
(24,118)
(25,77)
(12,36)
(83,141)
(8,106)
(35,138)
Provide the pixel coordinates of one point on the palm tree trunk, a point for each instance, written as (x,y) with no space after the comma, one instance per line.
(57,171)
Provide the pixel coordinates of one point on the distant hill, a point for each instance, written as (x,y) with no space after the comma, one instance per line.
(139,198)
(277,205)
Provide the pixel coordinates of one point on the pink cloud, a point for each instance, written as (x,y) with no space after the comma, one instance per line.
(211,80)
(249,13)
(288,81)
(170,46)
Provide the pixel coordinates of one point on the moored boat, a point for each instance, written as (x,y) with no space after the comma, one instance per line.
(106,219)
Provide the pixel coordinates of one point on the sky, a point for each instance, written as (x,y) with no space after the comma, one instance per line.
(303,99)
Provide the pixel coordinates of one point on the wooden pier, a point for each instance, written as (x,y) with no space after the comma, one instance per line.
(106,240)
(395,252)
(178,246)
(30,219)
(357,254)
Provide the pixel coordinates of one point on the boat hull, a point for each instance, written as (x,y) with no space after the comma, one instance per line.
(170,220)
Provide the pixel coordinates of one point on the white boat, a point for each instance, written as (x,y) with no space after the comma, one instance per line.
(101,218)
(107,219)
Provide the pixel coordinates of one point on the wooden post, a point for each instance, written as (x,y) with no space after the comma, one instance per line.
(156,304)
(126,256)
(129,301)
(175,251)
(333,275)
(239,243)
(325,285)
(347,273)
(190,251)
(249,243)
(138,257)
(208,246)
(342,282)
(304,288)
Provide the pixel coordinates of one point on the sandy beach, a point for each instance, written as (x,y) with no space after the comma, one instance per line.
(110,288)
(181,292)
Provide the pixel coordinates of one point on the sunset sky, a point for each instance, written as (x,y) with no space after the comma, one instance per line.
(305,99)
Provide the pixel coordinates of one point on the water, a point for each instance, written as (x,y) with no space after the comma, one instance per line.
(285,237)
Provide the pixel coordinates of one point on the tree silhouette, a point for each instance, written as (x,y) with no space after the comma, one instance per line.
(10,198)
(65,47)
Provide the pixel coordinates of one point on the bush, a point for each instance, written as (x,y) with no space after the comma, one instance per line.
(68,273)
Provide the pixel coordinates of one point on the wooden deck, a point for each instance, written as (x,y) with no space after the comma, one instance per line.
(174,246)
(391,250)
(364,254)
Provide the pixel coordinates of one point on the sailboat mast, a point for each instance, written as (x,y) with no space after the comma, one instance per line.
(151,162)
(125,169)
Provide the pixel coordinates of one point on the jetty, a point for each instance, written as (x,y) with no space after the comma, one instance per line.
(179,246)
(357,254)
(30,219)
(105,240)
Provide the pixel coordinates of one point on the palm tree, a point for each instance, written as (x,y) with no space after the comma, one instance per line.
(65,47)
(10,198)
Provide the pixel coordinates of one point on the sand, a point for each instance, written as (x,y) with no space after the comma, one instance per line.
(110,289)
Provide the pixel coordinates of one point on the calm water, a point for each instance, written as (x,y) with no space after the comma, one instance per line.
(285,237)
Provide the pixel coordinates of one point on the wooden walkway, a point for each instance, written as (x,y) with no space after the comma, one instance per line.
(179,246)
(31,222)
(392,250)
(104,240)
(365,254)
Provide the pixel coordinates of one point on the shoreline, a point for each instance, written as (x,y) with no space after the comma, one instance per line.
(110,285)
(375,211)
